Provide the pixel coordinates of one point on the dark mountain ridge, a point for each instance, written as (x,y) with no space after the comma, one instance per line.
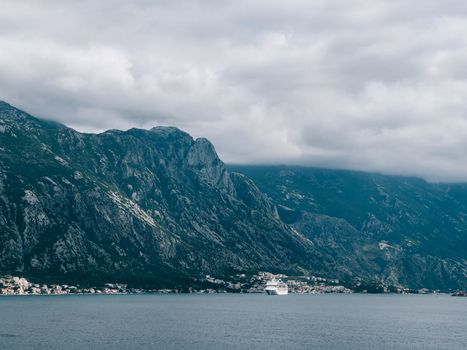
(145,204)
(412,231)
(159,207)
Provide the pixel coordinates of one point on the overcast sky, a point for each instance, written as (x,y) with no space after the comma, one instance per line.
(357,84)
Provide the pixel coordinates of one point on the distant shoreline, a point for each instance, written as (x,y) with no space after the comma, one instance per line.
(222,293)
(238,284)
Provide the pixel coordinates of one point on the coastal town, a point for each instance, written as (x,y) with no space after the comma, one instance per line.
(296,284)
(239,283)
(13,285)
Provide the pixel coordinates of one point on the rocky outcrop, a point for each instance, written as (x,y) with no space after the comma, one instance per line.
(211,170)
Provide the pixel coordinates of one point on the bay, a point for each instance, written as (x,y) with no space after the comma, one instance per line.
(230,321)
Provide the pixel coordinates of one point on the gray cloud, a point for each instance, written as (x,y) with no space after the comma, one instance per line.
(362,84)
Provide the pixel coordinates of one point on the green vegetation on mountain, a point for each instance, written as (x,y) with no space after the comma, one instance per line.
(404,231)
(157,207)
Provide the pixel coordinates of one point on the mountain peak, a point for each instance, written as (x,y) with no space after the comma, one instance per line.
(168,131)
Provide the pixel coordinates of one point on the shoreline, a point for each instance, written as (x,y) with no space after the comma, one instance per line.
(223,293)
(238,284)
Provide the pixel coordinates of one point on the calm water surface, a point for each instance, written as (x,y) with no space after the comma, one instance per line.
(233,322)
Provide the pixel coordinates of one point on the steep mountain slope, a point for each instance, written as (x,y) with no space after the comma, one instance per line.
(405,231)
(137,205)
(157,207)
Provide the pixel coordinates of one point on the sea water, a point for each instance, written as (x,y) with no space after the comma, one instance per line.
(233,321)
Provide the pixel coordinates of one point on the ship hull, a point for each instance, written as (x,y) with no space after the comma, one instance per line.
(276,292)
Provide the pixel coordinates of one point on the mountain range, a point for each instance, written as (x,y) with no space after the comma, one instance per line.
(399,230)
(159,208)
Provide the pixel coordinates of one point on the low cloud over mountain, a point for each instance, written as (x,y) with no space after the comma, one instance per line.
(369,85)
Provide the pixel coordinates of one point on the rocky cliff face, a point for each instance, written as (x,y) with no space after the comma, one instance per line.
(400,231)
(157,207)
(141,204)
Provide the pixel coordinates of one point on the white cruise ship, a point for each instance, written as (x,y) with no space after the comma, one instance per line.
(276,287)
